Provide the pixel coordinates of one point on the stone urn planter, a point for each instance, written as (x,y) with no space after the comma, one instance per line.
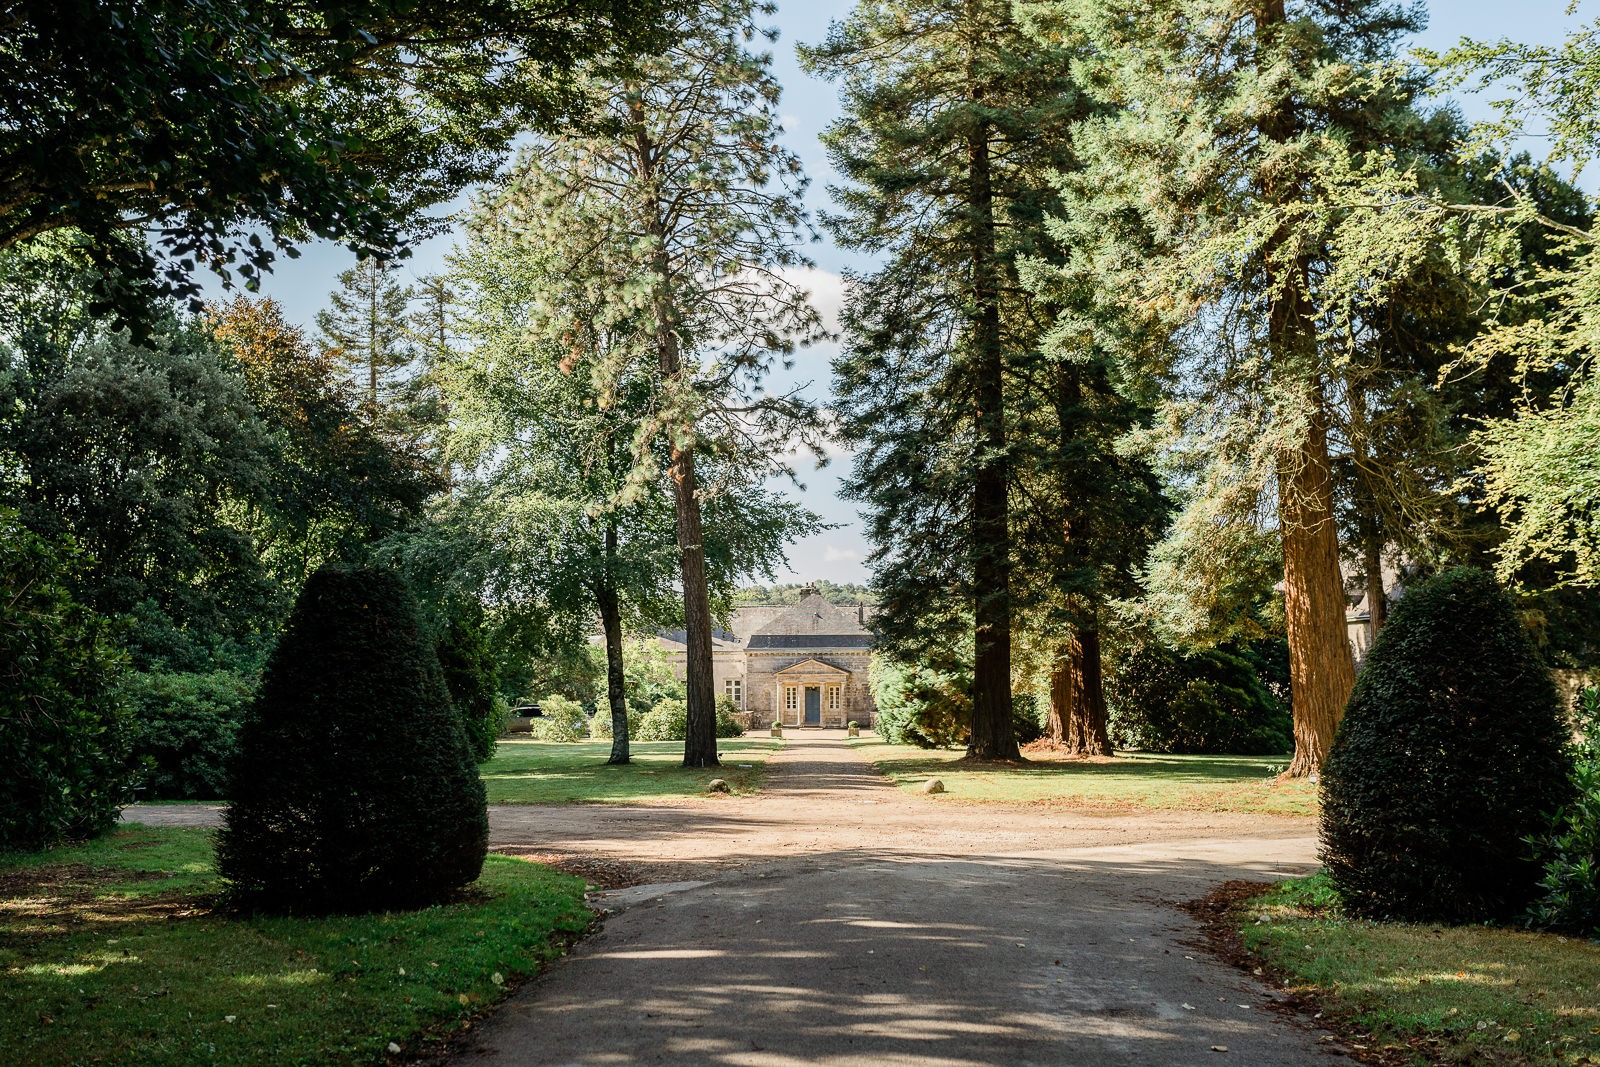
(853,730)
(777,728)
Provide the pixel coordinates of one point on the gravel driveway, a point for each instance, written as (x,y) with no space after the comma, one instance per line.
(833,919)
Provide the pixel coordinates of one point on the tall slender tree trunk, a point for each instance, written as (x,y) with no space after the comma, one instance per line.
(611,627)
(1321,671)
(700,740)
(993,737)
(1057,722)
(1368,522)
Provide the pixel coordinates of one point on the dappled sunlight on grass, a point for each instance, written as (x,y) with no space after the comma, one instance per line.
(543,772)
(90,974)
(1488,991)
(1133,779)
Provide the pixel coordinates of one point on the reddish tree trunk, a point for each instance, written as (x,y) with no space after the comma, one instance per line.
(1321,670)
(1077,721)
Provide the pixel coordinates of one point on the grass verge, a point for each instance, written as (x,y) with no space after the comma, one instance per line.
(545,772)
(1443,994)
(111,953)
(1130,780)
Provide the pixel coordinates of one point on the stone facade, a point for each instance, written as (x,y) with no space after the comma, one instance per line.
(802,665)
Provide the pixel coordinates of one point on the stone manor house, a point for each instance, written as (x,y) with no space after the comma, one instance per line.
(800,664)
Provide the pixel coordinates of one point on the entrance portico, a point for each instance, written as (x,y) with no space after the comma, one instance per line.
(810,693)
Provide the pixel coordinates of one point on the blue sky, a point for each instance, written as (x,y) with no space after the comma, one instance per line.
(302,285)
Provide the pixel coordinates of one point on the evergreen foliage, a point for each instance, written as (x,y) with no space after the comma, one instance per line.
(951,119)
(366,326)
(1206,701)
(469,677)
(920,705)
(355,788)
(186,730)
(64,729)
(1452,754)
(1569,899)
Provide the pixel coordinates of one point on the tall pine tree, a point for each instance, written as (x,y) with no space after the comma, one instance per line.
(950,115)
(365,326)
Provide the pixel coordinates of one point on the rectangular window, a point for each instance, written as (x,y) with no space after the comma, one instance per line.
(833,697)
(734,689)
(791,698)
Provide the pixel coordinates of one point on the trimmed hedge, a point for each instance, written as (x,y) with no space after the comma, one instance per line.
(1452,752)
(355,788)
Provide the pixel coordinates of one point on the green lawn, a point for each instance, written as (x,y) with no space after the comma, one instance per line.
(545,772)
(111,953)
(1468,993)
(1139,780)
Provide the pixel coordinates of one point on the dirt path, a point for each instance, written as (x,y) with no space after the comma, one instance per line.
(834,919)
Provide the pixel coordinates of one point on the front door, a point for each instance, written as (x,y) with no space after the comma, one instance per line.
(813,706)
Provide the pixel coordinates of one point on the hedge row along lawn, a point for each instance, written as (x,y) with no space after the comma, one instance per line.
(1128,780)
(549,772)
(111,952)
(1474,994)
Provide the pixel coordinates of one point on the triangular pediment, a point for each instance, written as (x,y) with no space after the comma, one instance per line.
(812,666)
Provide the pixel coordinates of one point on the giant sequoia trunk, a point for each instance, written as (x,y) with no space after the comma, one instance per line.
(993,737)
(1321,670)
(1077,721)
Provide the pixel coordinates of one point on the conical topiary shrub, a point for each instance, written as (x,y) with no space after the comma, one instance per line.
(1451,750)
(354,788)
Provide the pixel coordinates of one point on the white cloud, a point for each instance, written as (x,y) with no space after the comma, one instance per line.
(840,554)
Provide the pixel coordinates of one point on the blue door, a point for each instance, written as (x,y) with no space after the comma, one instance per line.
(813,706)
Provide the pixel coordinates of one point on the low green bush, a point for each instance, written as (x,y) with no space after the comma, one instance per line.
(1570,850)
(730,720)
(918,705)
(1452,752)
(187,729)
(562,720)
(600,725)
(667,721)
(1209,701)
